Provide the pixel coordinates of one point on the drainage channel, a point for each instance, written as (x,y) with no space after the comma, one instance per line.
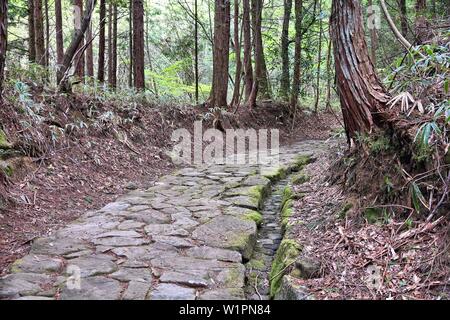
(269,238)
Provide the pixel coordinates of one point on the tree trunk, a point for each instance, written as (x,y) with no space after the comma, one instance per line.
(403,17)
(31,37)
(285,79)
(89,53)
(297,55)
(59,33)
(328,100)
(130,43)
(3,41)
(422,25)
(319,60)
(39,40)
(260,61)
(79,58)
(47,34)
(221,53)
(237,49)
(363,98)
(101,43)
(373,42)
(248,69)
(69,56)
(112,46)
(138,47)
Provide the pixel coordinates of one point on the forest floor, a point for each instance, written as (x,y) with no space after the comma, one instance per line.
(94,165)
(355,253)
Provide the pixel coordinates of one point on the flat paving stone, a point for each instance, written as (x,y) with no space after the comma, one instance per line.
(92,288)
(167,291)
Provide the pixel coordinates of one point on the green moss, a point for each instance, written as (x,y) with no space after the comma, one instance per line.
(254,216)
(6,168)
(373,215)
(276,174)
(4,144)
(300,178)
(286,254)
(15,268)
(256,264)
(301,161)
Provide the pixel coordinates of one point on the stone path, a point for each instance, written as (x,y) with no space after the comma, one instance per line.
(188,237)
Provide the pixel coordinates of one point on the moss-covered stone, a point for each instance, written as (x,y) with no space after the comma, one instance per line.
(301,161)
(256,264)
(254,216)
(276,174)
(300,178)
(286,255)
(7,168)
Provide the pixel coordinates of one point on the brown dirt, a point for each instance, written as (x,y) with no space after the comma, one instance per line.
(89,167)
(399,257)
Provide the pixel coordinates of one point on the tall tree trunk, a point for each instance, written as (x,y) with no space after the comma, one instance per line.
(260,61)
(221,53)
(39,40)
(59,33)
(112,64)
(138,47)
(237,49)
(130,43)
(373,41)
(248,69)
(101,43)
(297,55)
(285,79)
(422,25)
(3,41)
(403,17)
(69,56)
(31,37)
(319,60)
(363,98)
(89,53)
(79,58)
(47,34)
(328,101)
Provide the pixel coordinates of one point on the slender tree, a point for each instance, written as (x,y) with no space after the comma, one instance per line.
(130,43)
(285,80)
(263,86)
(101,43)
(89,53)
(138,44)
(237,50)
(47,34)
(248,69)
(298,54)
(319,60)
(328,99)
(59,33)
(39,41)
(403,17)
(112,46)
(69,55)
(373,41)
(31,37)
(221,53)
(3,41)
(421,24)
(79,58)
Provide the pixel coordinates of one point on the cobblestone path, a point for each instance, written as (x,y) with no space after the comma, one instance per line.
(188,237)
